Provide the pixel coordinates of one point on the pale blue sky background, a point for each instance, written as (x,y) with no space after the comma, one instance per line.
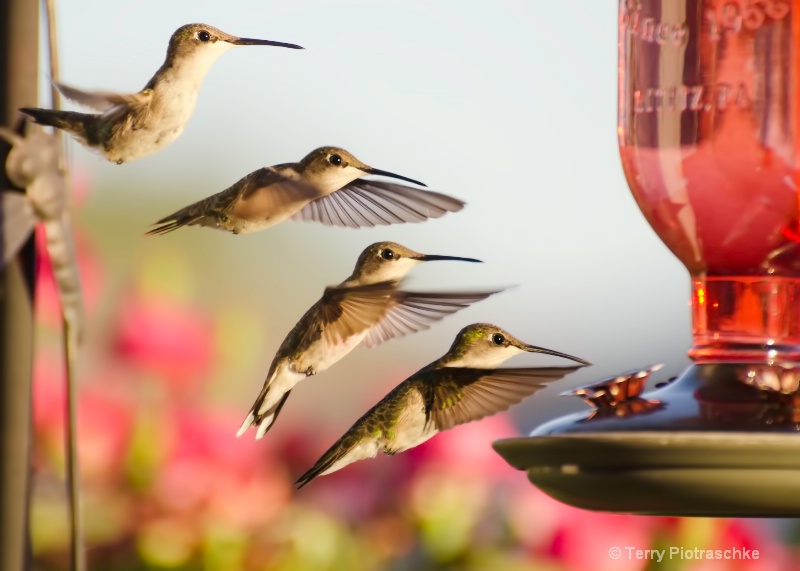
(509,105)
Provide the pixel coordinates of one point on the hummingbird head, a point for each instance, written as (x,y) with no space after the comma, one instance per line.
(203,44)
(331,168)
(389,261)
(486,346)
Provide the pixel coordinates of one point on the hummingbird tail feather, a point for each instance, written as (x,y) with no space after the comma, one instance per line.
(183,217)
(348,449)
(248,422)
(68,120)
(165,228)
(265,420)
(262,420)
(264,425)
(317,469)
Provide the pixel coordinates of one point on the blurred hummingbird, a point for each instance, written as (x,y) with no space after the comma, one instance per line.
(130,126)
(367,307)
(461,386)
(325,186)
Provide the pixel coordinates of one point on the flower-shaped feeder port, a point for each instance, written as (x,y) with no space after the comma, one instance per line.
(618,395)
(780,389)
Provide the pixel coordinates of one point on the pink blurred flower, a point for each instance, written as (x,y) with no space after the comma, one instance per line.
(468,449)
(577,538)
(166,337)
(208,473)
(104,420)
(211,433)
(359,491)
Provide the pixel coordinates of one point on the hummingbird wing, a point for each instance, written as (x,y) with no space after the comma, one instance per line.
(368,203)
(410,312)
(104,100)
(258,196)
(17,220)
(269,194)
(347,311)
(461,395)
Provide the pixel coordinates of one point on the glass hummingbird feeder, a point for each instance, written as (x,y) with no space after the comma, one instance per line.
(709,137)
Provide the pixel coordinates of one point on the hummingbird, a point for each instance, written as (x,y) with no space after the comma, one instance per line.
(325,186)
(463,385)
(131,126)
(366,308)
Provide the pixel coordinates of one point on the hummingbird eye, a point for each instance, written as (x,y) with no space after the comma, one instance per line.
(387,254)
(335,160)
(203,36)
(498,339)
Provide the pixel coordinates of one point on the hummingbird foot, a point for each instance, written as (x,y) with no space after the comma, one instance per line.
(310,372)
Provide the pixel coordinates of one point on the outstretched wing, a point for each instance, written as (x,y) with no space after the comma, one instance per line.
(347,311)
(470,394)
(368,203)
(105,101)
(270,194)
(410,312)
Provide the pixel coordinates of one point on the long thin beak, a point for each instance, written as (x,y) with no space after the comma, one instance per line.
(254,42)
(371,170)
(426,258)
(535,349)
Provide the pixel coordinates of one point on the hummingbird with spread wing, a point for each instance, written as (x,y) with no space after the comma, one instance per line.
(368,307)
(131,126)
(325,186)
(463,385)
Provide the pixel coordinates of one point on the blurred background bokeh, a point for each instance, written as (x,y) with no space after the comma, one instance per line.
(510,106)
